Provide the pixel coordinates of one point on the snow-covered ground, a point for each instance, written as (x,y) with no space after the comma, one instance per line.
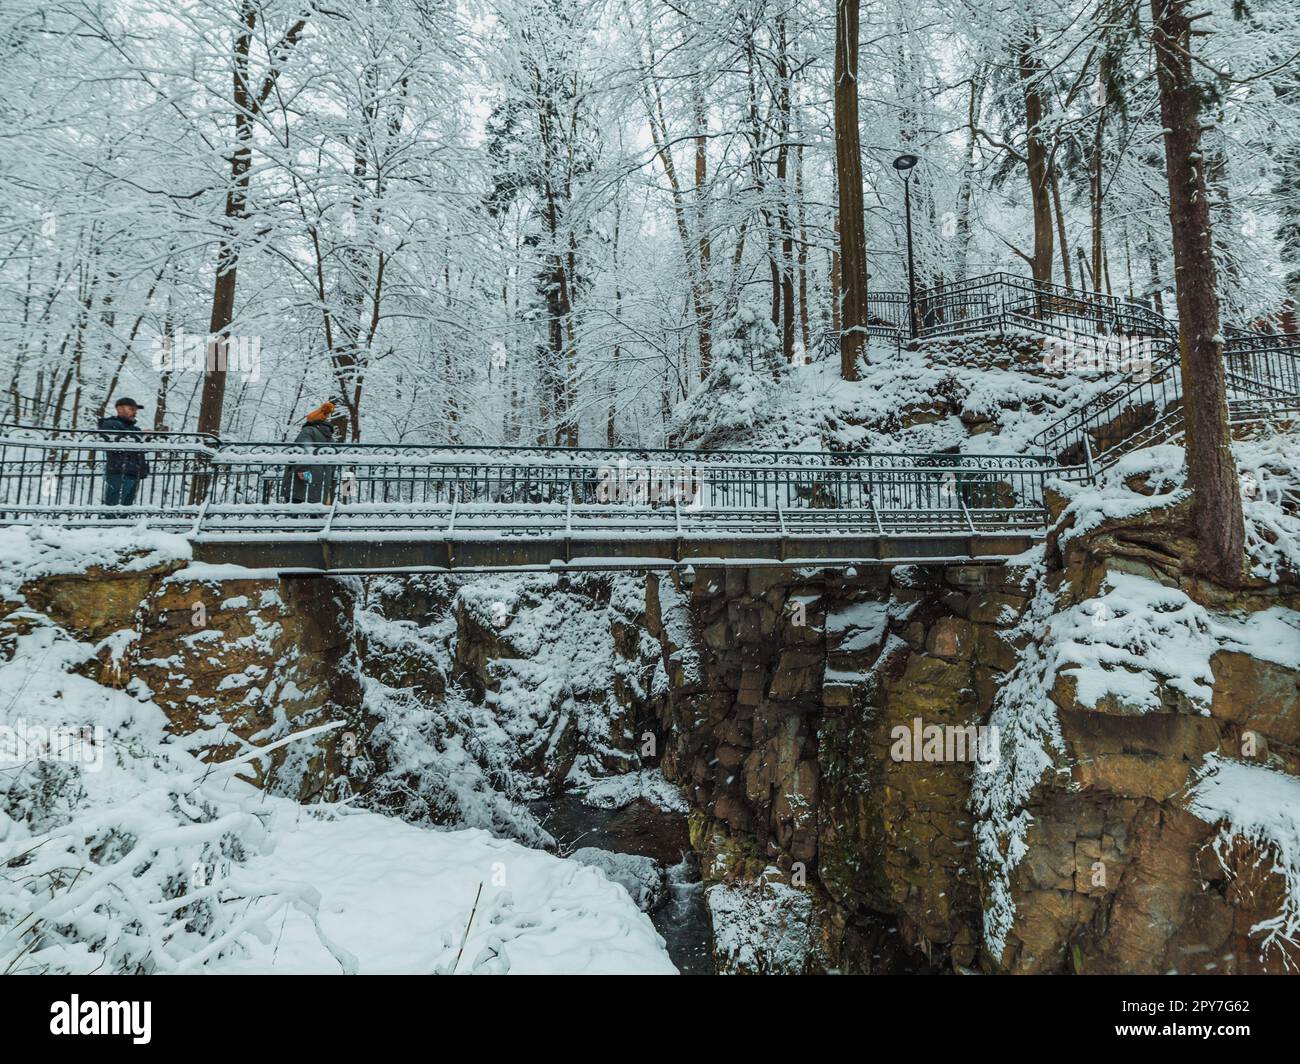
(120,851)
(406,900)
(810,408)
(29,552)
(1268,464)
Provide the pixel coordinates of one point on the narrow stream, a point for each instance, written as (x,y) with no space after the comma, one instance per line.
(643,829)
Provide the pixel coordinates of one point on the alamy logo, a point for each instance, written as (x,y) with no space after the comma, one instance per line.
(1083,353)
(650,484)
(184,353)
(75,744)
(103,1017)
(945,743)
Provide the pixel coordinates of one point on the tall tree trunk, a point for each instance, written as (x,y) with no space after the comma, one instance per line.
(223,293)
(165,377)
(756,154)
(1095,161)
(1157,296)
(783,185)
(837,287)
(246,105)
(704,300)
(1211,471)
(694,256)
(611,395)
(1037,158)
(1060,228)
(966,190)
(1225,222)
(848,169)
(805,328)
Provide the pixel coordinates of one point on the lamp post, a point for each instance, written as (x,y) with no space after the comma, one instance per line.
(903,164)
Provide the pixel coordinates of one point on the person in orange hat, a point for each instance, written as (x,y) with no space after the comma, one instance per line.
(311,483)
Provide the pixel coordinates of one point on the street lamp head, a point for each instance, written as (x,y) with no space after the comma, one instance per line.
(905,162)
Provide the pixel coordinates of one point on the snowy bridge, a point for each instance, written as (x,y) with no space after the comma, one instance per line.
(380,507)
(377,507)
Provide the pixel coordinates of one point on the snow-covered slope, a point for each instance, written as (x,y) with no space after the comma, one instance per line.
(406,900)
(979,395)
(122,851)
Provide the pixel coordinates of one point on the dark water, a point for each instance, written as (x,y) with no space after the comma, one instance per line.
(683,917)
(684,921)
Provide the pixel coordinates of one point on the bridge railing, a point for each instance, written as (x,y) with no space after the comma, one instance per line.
(916,484)
(256,486)
(272,453)
(68,468)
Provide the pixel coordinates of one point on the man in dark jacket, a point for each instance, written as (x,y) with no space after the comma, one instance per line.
(123,470)
(311,483)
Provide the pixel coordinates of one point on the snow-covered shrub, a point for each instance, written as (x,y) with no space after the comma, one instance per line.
(742,387)
(132,857)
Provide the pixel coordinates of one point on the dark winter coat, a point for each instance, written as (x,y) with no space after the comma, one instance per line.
(131,463)
(318,481)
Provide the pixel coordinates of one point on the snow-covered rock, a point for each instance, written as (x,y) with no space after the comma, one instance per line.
(642,877)
(400,899)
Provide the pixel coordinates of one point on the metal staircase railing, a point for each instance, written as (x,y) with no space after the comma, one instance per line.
(1262,374)
(1005,300)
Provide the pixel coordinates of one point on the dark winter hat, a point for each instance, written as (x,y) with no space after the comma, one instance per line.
(126,400)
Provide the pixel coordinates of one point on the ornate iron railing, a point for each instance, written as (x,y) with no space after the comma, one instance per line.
(198,483)
(1003,300)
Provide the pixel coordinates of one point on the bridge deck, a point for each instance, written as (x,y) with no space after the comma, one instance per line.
(343,556)
(367,538)
(344,552)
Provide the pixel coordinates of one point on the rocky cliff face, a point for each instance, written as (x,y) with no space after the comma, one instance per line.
(783,721)
(234,662)
(1133,712)
(1085,843)
(1161,686)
